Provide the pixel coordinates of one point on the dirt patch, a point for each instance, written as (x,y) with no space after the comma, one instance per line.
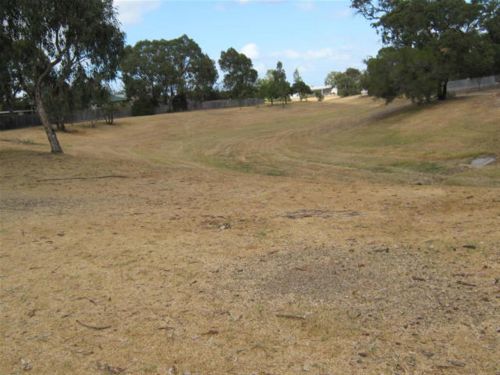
(401,282)
(28,204)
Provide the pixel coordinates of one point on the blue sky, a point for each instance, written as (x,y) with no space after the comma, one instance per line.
(314,36)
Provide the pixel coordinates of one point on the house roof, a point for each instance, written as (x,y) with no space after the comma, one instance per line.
(118,98)
(321,87)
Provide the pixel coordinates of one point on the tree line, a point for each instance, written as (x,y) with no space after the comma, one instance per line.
(172,72)
(62,58)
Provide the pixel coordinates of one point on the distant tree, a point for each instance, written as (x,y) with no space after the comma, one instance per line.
(63,98)
(490,23)
(331,78)
(319,95)
(194,72)
(157,71)
(265,89)
(8,88)
(347,83)
(53,40)
(202,87)
(440,40)
(281,87)
(240,77)
(275,86)
(299,86)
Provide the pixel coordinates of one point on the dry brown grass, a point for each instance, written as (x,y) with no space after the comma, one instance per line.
(326,238)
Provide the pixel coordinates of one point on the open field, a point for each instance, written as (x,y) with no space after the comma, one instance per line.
(343,237)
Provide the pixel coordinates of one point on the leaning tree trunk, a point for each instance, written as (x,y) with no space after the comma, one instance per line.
(55,147)
(443,90)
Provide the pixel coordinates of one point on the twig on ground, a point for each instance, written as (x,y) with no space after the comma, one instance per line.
(291,316)
(97,328)
(81,178)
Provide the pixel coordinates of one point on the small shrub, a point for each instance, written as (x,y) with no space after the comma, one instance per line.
(319,95)
(143,107)
(179,103)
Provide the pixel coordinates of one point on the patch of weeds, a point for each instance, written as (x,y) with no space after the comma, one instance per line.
(27,141)
(228,163)
(261,234)
(274,172)
(24,141)
(150,369)
(420,166)
(466,155)
(260,308)
(380,169)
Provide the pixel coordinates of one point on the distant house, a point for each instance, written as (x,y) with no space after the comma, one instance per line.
(118,98)
(325,90)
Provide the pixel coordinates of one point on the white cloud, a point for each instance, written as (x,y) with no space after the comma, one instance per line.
(260,68)
(318,54)
(250,50)
(343,13)
(220,7)
(260,1)
(305,68)
(305,5)
(131,12)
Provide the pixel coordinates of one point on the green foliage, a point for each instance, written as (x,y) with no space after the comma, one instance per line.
(143,106)
(49,44)
(281,85)
(406,71)
(347,83)
(240,77)
(331,78)
(300,87)
(265,89)
(319,95)
(50,38)
(275,86)
(159,70)
(431,42)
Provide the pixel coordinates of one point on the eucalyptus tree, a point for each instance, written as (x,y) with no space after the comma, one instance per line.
(429,42)
(54,38)
(240,76)
(299,86)
(156,71)
(347,83)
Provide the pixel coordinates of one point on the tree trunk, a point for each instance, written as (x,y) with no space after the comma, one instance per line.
(60,125)
(55,147)
(443,90)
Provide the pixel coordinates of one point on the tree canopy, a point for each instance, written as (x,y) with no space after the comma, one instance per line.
(299,87)
(240,77)
(347,83)
(53,41)
(275,85)
(159,70)
(428,43)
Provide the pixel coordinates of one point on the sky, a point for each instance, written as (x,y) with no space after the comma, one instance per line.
(313,36)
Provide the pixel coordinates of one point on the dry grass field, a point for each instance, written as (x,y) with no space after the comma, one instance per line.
(343,237)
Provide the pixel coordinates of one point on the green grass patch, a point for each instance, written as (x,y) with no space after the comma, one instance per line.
(419,166)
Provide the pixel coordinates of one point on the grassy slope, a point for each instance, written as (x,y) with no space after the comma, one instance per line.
(399,142)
